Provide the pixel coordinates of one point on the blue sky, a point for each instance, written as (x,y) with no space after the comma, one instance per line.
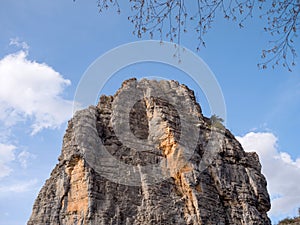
(45,48)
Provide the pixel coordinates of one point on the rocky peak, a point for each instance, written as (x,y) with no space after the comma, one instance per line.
(147,155)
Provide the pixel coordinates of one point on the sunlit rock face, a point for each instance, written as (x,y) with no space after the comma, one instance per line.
(147,156)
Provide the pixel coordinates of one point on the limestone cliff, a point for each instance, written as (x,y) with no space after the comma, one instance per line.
(147,156)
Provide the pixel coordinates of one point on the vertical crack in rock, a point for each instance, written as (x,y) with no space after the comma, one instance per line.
(171,150)
(215,183)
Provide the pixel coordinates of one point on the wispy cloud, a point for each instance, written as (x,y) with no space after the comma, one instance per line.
(24,157)
(21,44)
(6,156)
(31,91)
(19,187)
(281,171)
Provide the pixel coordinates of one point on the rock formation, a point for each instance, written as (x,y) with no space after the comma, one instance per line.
(290,221)
(147,156)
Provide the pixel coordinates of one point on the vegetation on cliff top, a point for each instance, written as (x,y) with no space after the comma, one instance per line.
(293,221)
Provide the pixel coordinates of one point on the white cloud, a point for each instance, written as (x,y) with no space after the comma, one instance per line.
(19,187)
(16,42)
(6,156)
(31,91)
(23,158)
(281,171)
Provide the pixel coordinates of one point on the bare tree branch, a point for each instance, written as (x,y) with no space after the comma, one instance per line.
(283,23)
(170,19)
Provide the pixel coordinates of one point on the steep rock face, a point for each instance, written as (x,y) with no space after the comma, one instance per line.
(160,168)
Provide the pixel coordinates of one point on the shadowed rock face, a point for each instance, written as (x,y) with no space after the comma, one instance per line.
(215,182)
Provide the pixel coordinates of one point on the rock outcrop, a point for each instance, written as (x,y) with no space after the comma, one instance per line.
(290,221)
(147,156)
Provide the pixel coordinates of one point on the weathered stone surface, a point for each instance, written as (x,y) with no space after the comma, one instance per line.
(290,221)
(216,183)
